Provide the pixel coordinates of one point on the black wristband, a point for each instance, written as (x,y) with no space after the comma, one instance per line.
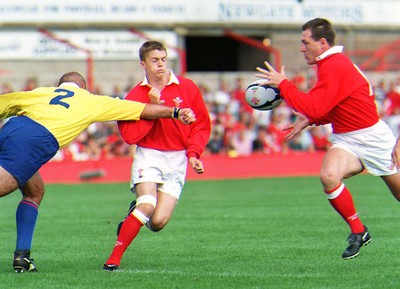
(175,114)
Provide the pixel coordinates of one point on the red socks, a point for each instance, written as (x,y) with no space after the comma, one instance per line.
(342,201)
(129,230)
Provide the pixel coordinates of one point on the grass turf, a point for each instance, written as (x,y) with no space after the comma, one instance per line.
(258,233)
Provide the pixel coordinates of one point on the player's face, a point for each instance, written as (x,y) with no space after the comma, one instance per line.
(155,63)
(310,48)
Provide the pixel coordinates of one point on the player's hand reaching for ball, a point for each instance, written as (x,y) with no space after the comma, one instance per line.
(271,76)
(187,116)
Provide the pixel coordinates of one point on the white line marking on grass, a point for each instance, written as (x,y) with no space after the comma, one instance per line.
(202,274)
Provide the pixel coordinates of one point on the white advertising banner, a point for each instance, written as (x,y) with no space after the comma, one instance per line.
(102,44)
(181,12)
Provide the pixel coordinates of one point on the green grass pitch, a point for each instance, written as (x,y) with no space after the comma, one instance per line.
(258,233)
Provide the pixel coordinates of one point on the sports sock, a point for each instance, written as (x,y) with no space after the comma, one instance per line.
(342,201)
(129,230)
(26,217)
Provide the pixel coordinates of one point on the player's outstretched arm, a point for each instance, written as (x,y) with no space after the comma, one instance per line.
(155,111)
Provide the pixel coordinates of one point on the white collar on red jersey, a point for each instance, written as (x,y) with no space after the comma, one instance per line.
(330,51)
(172,79)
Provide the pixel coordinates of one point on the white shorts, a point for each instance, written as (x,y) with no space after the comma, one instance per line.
(166,168)
(372,145)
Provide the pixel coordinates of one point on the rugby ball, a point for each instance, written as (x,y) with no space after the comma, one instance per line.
(262,97)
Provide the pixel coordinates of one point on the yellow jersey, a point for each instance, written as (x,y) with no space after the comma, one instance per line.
(67,110)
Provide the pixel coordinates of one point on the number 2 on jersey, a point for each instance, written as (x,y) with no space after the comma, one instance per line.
(64,93)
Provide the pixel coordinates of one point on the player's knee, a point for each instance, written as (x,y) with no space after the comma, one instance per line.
(146,204)
(157,224)
(33,194)
(329,179)
(146,209)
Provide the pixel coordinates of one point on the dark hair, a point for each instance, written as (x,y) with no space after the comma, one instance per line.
(73,77)
(321,28)
(149,46)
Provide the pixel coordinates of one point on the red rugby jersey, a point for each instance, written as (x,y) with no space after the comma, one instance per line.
(170,134)
(341,96)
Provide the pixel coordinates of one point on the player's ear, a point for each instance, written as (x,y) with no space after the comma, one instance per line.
(324,44)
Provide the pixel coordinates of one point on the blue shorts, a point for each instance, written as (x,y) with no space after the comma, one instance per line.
(25,146)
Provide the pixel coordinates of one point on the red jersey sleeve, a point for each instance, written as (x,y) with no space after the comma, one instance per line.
(201,128)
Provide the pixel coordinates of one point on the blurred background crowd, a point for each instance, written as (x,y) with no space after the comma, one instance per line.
(237,129)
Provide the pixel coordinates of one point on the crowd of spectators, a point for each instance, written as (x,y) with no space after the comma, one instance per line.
(237,129)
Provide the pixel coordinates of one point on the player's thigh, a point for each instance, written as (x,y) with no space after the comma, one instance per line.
(33,190)
(146,188)
(165,207)
(338,164)
(8,183)
(393,183)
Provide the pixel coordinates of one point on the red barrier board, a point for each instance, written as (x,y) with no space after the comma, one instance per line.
(215,167)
